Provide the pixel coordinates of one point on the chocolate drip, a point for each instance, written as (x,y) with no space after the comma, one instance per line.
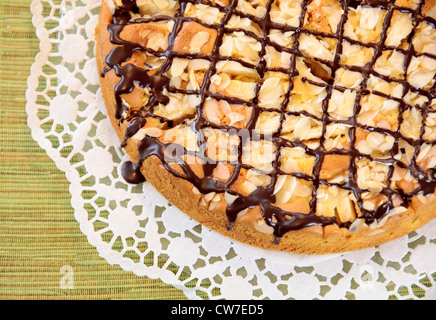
(263,197)
(132,173)
(133,128)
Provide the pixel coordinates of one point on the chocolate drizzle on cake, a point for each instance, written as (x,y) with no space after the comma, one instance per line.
(263,197)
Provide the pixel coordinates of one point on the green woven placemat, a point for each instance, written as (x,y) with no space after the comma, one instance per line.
(39,238)
(43,254)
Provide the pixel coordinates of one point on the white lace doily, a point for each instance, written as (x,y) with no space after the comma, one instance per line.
(136,228)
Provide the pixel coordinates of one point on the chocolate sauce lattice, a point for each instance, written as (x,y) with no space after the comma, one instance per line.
(282,52)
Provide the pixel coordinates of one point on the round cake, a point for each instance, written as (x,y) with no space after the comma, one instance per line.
(305,126)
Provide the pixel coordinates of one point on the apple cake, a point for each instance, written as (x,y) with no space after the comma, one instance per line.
(305,126)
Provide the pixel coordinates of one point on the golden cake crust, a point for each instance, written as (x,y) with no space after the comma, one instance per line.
(314,239)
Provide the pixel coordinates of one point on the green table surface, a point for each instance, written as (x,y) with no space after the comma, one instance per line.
(39,236)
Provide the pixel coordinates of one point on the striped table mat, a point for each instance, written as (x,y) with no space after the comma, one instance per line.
(43,254)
